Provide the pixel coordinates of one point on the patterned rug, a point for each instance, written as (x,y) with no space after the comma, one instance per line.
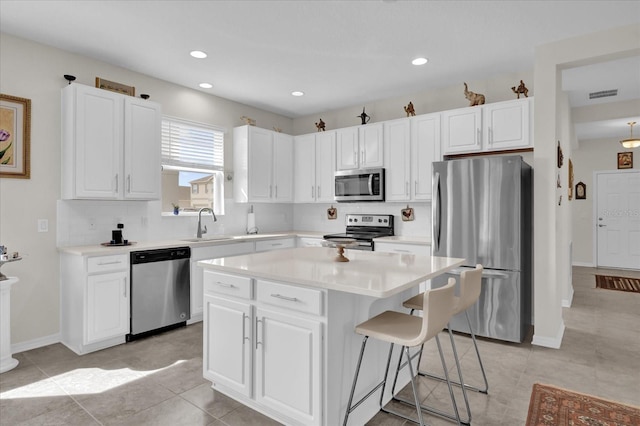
(618,283)
(552,406)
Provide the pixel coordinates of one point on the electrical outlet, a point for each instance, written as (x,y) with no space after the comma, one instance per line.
(43,225)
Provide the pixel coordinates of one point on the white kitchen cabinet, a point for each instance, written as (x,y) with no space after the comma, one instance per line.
(314,167)
(209,252)
(462,130)
(491,127)
(263,165)
(263,345)
(506,125)
(110,145)
(360,147)
(107,306)
(228,355)
(288,347)
(94,301)
(411,146)
(277,244)
(403,248)
(309,242)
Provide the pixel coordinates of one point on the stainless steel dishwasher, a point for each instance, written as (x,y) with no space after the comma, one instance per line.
(160,290)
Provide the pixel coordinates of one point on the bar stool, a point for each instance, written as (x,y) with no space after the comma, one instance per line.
(407,331)
(470,286)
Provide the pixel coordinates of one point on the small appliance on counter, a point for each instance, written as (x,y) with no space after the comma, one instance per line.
(117,239)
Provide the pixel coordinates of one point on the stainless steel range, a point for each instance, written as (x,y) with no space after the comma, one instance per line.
(364,228)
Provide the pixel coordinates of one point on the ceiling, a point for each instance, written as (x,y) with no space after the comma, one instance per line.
(339,53)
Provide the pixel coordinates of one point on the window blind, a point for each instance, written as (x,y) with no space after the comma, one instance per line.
(191,145)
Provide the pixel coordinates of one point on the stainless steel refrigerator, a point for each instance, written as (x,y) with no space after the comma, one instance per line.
(482,212)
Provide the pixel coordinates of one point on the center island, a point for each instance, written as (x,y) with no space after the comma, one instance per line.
(279,327)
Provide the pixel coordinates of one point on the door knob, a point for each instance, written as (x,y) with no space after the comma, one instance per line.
(601,226)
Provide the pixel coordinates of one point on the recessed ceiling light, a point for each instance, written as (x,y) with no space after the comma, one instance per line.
(419,61)
(198,54)
(297,93)
(206,85)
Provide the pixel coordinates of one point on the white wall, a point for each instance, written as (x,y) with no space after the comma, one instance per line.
(549,222)
(34,71)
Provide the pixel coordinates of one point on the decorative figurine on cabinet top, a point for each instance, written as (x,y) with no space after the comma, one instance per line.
(409,109)
(521,89)
(248,120)
(320,125)
(364,117)
(474,98)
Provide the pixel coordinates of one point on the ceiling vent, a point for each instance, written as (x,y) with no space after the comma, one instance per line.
(603,94)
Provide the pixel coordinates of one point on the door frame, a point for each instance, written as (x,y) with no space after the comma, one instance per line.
(594,204)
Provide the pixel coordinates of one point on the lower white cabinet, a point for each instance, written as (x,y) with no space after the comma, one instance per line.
(403,248)
(107,306)
(309,242)
(95,300)
(262,352)
(279,244)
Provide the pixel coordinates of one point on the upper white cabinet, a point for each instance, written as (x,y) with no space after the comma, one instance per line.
(360,147)
(491,127)
(110,145)
(411,146)
(314,167)
(263,165)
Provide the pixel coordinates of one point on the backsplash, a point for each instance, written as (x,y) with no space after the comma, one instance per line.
(86,222)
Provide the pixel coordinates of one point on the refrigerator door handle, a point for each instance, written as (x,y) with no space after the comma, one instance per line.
(436,210)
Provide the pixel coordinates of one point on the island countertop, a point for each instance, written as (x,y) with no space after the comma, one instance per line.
(367,273)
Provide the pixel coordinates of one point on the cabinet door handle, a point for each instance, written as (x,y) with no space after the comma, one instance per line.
(415,188)
(276,244)
(401,251)
(279,296)
(362,155)
(601,226)
(129,184)
(244,326)
(479,137)
(318,191)
(258,342)
(406,188)
(125,288)
(270,191)
(116,183)
(221,284)
(313,195)
(109,263)
(276,191)
(491,135)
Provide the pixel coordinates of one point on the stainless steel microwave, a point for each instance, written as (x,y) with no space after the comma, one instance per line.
(359,185)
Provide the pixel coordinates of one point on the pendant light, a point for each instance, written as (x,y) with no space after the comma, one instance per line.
(631,142)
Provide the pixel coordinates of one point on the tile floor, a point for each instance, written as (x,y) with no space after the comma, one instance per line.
(158,380)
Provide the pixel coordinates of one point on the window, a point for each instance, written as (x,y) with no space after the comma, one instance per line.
(192,165)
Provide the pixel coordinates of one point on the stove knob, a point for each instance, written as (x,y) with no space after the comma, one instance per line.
(386,220)
(355,220)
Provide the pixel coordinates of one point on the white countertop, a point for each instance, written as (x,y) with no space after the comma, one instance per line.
(209,240)
(367,273)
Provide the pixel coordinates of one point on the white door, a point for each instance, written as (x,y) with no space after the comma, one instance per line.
(371,145)
(288,365)
(617,219)
(228,345)
(462,130)
(347,152)
(142,124)
(282,168)
(325,166)
(304,150)
(425,149)
(107,306)
(397,159)
(506,125)
(260,164)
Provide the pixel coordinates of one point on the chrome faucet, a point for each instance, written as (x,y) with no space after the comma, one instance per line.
(200,230)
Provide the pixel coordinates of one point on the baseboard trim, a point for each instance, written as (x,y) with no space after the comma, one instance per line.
(35,343)
(585,264)
(566,303)
(549,342)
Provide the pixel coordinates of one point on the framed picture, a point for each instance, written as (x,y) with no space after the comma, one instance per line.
(101,83)
(15,137)
(625,160)
(581,191)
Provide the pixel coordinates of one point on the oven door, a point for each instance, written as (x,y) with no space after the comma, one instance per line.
(359,185)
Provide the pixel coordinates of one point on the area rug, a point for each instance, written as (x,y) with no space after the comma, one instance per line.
(618,283)
(552,406)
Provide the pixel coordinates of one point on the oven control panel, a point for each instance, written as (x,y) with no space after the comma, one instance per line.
(373,220)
